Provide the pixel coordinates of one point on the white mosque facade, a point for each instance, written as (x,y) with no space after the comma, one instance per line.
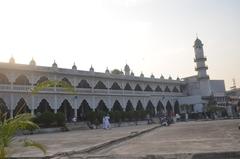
(105,90)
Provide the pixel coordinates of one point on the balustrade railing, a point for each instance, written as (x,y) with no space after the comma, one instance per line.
(100,91)
(5,86)
(83,90)
(28,88)
(115,91)
(22,88)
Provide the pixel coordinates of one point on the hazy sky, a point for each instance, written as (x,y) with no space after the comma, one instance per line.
(151,36)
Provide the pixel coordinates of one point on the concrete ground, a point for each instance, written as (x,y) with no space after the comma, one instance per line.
(76,140)
(181,138)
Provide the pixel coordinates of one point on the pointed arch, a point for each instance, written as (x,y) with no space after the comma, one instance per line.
(176,108)
(22,80)
(139,106)
(158,89)
(148,89)
(64,79)
(4,79)
(169,109)
(160,108)
(128,87)
(181,88)
(150,109)
(175,89)
(100,85)
(67,110)
(4,111)
(43,107)
(138,88)
(101,107)
(84,110)
(129,106)
(42,79)
(117,106)
(167,89)
(83,84)
(21,108)
(115,86)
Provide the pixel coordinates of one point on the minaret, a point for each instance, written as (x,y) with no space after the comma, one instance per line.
(201,68)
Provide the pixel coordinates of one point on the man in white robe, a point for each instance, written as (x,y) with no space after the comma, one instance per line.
(107,122)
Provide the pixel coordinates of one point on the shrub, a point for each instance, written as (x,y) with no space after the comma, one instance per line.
(99,116)
(60,119)
(116,116)
(35,120)
(127,116)
(91,117)
(140,114)
(47,118)
(123,115)
(130,115)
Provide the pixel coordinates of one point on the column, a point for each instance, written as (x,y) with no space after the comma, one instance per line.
(75,107)
(11,113)
(93,83)
(108,87)
(55,103)
(75,113)
(11,105)
(55,79)
(32,112)
(93,103)
(32,105)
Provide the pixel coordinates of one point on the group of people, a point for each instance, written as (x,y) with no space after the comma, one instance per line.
(105,122)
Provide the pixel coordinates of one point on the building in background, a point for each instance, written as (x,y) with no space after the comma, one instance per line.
(106,91)
(199,88)
(233,100)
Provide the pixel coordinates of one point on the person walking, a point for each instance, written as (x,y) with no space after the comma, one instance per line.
(74,120)
(107,122)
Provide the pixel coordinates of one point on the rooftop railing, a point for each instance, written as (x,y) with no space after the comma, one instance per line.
(28,88)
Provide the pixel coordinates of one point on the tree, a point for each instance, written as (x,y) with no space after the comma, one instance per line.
(9,128)
(211,108)
(116,72)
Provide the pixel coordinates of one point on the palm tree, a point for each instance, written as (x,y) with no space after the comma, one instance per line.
(9,127)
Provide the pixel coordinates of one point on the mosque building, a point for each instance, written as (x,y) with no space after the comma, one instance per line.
(105,91)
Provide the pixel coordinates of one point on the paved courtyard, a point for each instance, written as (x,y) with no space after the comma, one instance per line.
(188,137)
(185,137)
(73,140)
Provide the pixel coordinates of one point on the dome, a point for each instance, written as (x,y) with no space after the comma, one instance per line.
(32,62)
(126,68)
(152,76)
(107,71)
(141,75)
(74,67)
(198,43)
(12,60)
(178,78)
(54,64)
(170,78)
(162,77)
(91,69)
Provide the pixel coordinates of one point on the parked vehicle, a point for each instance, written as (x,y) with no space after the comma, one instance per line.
(163,121)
